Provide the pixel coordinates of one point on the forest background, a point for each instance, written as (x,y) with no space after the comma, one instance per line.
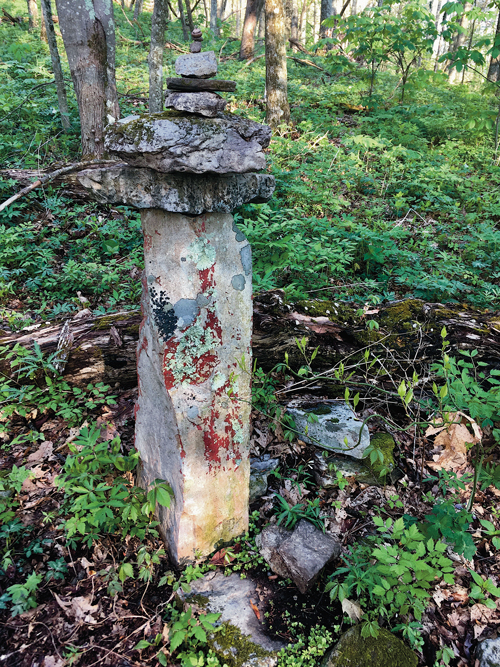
(386,155)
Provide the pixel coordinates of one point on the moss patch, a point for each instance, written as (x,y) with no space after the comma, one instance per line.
(384,442)
(335,311)
(234,648)
(400,316)
(386,650)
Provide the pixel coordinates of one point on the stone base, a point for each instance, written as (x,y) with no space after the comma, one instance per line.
(194,361)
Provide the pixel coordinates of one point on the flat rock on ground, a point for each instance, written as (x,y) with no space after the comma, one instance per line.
(353,650)
(332,424)
(177,141)
(488,653)
(205,104)
(299,555)
(179,193)
(231,596)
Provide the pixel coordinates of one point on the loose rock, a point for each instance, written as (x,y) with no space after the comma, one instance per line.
(173,141)
(335,422)
(205,104)
(299,555)
(198,65)
(353,650)
(259,470)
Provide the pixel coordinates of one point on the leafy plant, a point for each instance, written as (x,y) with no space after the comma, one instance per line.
(483,590)
(289,515)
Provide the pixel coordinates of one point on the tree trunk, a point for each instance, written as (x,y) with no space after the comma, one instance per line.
(326,12)
(294,23)
(103,349)
(494,68)
(138,9)
(56,64)
(189,15)
(302,22)
(43,29)
(459,41)
(32,14)
(254,7)
(155,58)
(278,110)
(185,32)
(213,18)
(87,28)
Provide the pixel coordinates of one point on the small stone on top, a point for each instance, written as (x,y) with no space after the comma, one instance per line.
(196,45)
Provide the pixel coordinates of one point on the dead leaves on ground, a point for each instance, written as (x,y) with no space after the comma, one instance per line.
(454,436)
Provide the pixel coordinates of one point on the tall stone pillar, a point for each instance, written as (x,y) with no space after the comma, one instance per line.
(187,169)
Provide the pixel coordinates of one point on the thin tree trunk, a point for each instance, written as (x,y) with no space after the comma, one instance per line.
(189,14)
(459,41)
(207,23)
(254,7)
(32,14)
(326,12)
(43,29)
(185,32)
(56,64)
(302,22)
(155,58)
(261,29)
(213,18)
(494,68)
(86,25)
(138,9)
(294,27)
(278,110)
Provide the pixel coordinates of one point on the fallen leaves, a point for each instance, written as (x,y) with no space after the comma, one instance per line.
(78,608)
(454,436)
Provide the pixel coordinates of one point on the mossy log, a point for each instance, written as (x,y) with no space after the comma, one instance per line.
(71,187)
(408,334)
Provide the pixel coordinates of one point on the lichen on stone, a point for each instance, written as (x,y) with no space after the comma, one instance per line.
(202,254)
(236,649)
(193,344)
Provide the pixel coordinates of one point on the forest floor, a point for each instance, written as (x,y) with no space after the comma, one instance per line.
(397,201)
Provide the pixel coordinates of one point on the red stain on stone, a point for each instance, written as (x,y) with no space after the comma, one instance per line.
(148,242)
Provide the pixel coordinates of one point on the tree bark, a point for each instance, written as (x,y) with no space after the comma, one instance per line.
(213,18)
(87,27)
(155,58)
(494,68)
(254,7)
(32,14)
(43,29)
(185,32)
(138,9)
(409,334)
(326,12)
(56,64)
(189,15)
(278,110)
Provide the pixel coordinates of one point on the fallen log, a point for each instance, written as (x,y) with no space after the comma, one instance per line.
(405,334)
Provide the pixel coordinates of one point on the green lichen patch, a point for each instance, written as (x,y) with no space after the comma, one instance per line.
(335,311)
(386,650)
(384,442)
(234,648)
(104,323)
(202,254)
(401,316)
(195,342)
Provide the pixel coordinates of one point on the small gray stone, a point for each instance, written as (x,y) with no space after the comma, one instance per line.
(268,542)
(335,422)
(306,552)
(175,142)
(179,193)
(196,65)
(259,470)
(205,104)
(385,650)
(325,471)
(299,555)
(488,653)
(229,596)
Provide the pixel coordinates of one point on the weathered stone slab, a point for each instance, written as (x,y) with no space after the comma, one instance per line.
(176,141)
(205,104)
(488,653)
(193,85)
(299,555)
(180,193)
(193,407)
(230,597)
(335,422)
(385,650)
(199,65)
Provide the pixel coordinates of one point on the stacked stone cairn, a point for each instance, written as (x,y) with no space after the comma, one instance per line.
(187,169)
